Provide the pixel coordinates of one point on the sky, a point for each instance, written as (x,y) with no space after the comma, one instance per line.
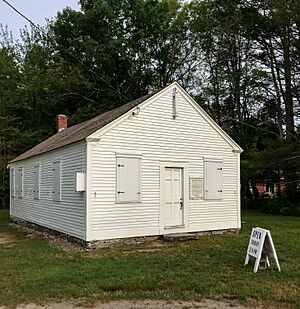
(36,10)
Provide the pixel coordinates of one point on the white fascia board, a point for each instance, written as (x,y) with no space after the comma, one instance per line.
(210,121)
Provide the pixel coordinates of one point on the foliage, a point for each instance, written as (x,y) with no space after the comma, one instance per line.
(28,98)
(126,48)
(240,60)
(275,206)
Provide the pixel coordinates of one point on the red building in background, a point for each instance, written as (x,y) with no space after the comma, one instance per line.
(270,187)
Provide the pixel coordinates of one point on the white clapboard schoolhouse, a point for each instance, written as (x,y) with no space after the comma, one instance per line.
(155,166)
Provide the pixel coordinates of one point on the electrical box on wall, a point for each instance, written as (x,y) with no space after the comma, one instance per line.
(79,182)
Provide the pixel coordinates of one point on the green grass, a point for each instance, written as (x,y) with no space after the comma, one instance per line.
(31,270)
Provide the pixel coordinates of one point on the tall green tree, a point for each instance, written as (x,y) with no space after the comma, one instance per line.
(9,103)
(126,48)
(249,50)
(240,60)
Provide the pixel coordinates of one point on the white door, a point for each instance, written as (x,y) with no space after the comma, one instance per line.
(173,199)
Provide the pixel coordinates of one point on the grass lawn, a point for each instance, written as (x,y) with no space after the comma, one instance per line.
(31,270)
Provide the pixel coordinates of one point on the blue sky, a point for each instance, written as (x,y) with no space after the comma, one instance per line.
(36,10)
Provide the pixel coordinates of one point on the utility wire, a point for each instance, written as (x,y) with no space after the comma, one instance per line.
(68,52)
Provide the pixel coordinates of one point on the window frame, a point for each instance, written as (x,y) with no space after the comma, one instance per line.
(137,156)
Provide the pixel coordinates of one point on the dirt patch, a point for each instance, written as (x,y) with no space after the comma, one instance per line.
(150,304)
(7,239)
(145,304)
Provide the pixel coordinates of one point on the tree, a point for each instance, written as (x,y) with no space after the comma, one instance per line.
(121,50)
(240,60)
(9,78)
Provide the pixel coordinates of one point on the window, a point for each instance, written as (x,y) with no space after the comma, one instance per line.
(12,182)
(213,180)
(128,179)
(36,182)
(56,180)
(19,182)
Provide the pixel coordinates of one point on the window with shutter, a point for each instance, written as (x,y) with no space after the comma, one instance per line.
(56,181)
(128,179)
(19,186)
(213,180)
(12,182)
(36,175)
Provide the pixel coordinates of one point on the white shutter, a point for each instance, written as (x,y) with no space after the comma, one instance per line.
(12,182)
(128,179)
(56,181)
(19,187)
(213,180)
(36,175)
(17,182)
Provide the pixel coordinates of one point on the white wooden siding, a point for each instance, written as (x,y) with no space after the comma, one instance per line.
(158,137)
(67,215)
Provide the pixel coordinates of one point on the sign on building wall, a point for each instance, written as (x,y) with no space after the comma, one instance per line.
(261,247)
(196,188)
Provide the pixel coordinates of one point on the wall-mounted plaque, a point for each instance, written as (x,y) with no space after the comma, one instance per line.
(196,188)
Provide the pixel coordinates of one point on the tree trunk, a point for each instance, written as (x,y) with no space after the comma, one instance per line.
(276,87)
(290,171)
(288,100)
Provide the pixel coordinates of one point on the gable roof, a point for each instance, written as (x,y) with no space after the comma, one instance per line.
(82,130)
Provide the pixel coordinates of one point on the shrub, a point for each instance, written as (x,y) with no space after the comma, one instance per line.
(276,206)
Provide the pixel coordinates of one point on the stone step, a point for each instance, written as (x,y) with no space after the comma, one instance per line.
(175,237)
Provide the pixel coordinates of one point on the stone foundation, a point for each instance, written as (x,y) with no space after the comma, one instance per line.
(119,242)
(99,244)
(219,232)
(45,232)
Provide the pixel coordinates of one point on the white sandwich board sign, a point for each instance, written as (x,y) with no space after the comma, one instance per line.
(261,246)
